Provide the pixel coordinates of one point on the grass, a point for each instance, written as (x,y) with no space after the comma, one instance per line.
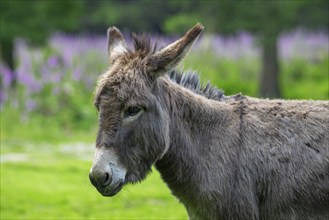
(54,184)
(38,128)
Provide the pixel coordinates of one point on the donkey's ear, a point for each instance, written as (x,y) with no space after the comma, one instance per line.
(116,44)
(169,57)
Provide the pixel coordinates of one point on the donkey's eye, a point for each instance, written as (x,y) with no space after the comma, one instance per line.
(132,111)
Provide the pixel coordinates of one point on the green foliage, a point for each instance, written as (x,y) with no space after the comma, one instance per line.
(271,17)
(256,16)
(232,76)
(180,23)
(35,20)
(300,79)
(312,78)
(137,16)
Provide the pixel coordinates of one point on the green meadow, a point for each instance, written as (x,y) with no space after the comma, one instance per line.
(52,188)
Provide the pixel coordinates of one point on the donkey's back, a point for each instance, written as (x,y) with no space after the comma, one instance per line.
(283,155)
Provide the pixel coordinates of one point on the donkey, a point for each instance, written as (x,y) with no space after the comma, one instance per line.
(223,157)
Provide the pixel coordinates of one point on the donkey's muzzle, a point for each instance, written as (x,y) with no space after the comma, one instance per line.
(100,179)
(108,180)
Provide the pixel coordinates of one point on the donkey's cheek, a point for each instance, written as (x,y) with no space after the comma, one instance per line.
(133,178)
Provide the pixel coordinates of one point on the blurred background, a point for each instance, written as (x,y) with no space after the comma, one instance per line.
(53,51)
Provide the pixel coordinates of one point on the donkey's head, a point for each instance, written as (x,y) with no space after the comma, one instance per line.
(133,121)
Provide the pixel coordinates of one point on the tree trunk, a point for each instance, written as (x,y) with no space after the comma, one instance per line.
(7,53)
(269,79)
(7,56)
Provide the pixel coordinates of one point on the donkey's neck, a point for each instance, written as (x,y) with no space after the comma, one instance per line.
(195,122)
(188,107)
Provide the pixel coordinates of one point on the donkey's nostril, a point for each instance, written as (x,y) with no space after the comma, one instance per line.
(99,179)
(107,179)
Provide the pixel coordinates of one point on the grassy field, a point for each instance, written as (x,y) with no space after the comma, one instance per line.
(50,181)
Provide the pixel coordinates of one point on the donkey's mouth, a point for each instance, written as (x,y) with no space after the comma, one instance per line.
(112,190)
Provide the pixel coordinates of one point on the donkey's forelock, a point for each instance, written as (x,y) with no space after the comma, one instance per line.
(142,46)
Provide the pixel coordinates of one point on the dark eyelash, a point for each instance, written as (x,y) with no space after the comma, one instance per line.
(132,111)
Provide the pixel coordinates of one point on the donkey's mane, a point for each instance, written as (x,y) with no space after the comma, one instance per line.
(191,81)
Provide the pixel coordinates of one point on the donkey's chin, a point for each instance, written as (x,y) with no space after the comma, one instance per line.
(112,190)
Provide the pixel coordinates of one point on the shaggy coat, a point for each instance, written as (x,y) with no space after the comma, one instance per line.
(223,157)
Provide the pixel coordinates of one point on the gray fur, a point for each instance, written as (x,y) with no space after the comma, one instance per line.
(232,157)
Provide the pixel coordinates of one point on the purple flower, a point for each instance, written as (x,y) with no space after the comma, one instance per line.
(30,105)
(3,98)
(303,44)
(242,45)
(76,74)
(52,61)
(7,75)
